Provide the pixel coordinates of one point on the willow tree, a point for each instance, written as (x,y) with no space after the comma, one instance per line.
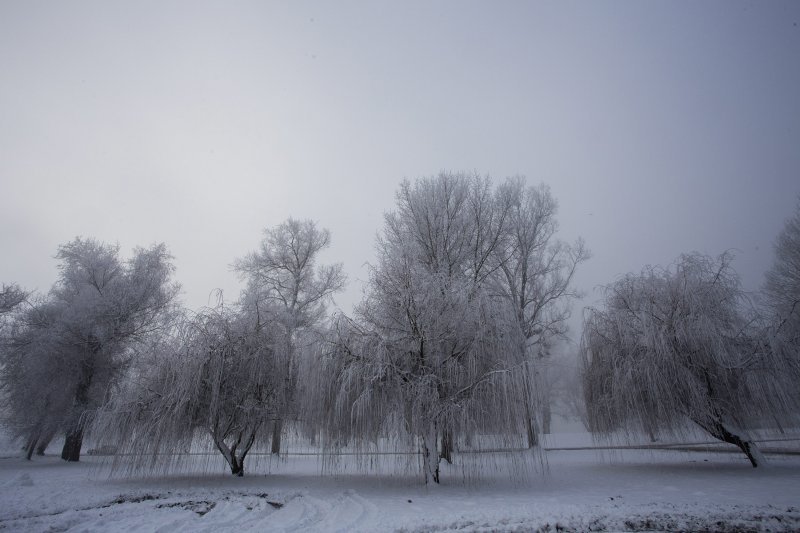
(678,344)
(435,353)
(215,378)
(782,290)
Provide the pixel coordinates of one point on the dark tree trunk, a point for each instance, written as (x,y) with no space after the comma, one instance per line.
(31,445)
(277,429)
(246,448)
(236,462)
(530,427)
(546,417)
(530,424)
(447,446)
(237,467)
(719,431)
(72,444)
(430,458)
(44,442)
(746,446)
(74,437)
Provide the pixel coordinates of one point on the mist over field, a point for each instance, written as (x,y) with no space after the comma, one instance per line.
(521,266)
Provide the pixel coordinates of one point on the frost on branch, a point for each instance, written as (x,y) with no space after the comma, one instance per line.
(10,297)
(677,344)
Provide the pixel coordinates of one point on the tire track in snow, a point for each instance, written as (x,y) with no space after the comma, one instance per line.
(347,512)
(300,514)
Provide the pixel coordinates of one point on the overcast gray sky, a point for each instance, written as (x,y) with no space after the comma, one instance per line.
(662,127)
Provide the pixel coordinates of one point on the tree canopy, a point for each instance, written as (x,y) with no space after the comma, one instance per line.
(678,344)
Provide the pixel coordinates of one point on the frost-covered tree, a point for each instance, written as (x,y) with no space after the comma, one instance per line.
(80,336)
(286,284)
(10,297)
(782,289)
(35,396)
(216,377)
(536,275)
(678,344)
(434,353)
(537,268)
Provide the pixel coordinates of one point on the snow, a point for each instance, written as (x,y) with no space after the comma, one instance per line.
(578,490)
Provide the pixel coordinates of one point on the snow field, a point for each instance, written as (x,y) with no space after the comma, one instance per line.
(581,490)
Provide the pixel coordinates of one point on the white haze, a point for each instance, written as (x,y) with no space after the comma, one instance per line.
(661,128)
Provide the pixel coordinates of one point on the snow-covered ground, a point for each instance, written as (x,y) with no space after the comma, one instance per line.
(577,490)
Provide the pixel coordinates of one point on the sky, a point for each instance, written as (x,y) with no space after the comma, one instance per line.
(661,127)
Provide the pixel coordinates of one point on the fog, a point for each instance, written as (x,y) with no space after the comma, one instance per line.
(662,128)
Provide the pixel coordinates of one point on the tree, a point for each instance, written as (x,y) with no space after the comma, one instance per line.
(10,297)
(217,376)
(537,272)
(36,395)
(285,284)
(677,344)
(82,333)
(434,353)
(782,289)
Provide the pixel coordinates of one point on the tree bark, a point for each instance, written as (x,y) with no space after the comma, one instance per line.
(74,438)
(430,457)
(44,442)
(31,445)
(72,444)
(546,416)
(530,425)
(447,446)
(719,431)
(277,429)
(237,467)
(236,463)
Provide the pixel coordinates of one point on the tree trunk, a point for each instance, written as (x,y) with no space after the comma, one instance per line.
(719,431)
(44,442)
(74,438)
(277,429)
(31,445)
(72,444)
(530,424)
(430,457)
(237,467)
(235,462)
(447,446)
(748,447)
(546,416)
(246,448)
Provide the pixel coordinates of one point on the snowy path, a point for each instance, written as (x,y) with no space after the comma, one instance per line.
(620,490)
